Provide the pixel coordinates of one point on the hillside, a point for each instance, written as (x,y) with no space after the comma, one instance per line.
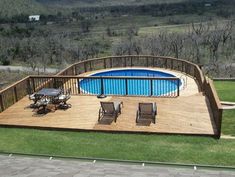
(102,3)
(10,8)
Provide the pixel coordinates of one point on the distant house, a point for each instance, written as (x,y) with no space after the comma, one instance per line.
(207,5)
(34,17)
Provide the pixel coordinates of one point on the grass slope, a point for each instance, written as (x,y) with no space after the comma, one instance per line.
(180,149)
(10,8)
(226,92)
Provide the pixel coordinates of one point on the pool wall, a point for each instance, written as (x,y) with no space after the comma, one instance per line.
(133,82)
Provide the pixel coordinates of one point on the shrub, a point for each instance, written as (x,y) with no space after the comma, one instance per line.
(5,61)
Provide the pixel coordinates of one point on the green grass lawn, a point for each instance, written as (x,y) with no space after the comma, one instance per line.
(162,148)
(180,149)
(226,92)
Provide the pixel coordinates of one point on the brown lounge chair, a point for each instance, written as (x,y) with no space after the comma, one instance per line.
(112,109)
(146,111)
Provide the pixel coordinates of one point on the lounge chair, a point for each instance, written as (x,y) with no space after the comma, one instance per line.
(146,111)
(112,109)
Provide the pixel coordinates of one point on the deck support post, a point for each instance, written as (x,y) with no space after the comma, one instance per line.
(220,114)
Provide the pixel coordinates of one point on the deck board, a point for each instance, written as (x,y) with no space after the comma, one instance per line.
(181,115)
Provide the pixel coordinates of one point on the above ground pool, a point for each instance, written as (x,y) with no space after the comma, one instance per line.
(132,85)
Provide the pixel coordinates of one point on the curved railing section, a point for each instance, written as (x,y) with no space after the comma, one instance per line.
(183,66)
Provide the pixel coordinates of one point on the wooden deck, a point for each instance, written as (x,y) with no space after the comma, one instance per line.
(182,115)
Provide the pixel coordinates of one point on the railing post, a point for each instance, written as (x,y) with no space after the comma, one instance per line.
(34,90)
(102,86)
(111,62)
(29,91)
(90,66)
(79,90)
(15,94)
(85,67)
(105,63)
(178,87)
(166,63)
(125,61)
(75,70)
(131,62)
(153,59)
(151,87)
(182,66)
(1,103)
(126,81)
(54,83)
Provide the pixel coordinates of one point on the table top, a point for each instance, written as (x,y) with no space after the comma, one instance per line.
(49,92)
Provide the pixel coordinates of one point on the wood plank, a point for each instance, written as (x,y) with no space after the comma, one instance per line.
(182,115)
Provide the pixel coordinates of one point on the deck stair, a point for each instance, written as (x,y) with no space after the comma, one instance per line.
(228,105)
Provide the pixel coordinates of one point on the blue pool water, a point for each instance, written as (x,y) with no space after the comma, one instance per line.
(130,86)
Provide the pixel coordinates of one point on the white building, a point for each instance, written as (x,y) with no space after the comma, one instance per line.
(34,17)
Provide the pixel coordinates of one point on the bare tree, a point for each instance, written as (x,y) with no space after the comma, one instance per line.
(176,44)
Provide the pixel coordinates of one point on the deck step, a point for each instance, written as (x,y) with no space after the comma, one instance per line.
(228,105)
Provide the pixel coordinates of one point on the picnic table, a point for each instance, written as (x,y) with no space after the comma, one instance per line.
(50,92)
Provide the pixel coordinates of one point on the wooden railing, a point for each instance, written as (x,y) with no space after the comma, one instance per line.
(137,61)
(110,85)
(15,92)
(216,107)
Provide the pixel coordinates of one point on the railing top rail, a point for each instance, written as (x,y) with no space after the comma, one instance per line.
(104,77)
(138,56)
(13,85)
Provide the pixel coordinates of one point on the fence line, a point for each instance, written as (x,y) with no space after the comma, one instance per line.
(109,85)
